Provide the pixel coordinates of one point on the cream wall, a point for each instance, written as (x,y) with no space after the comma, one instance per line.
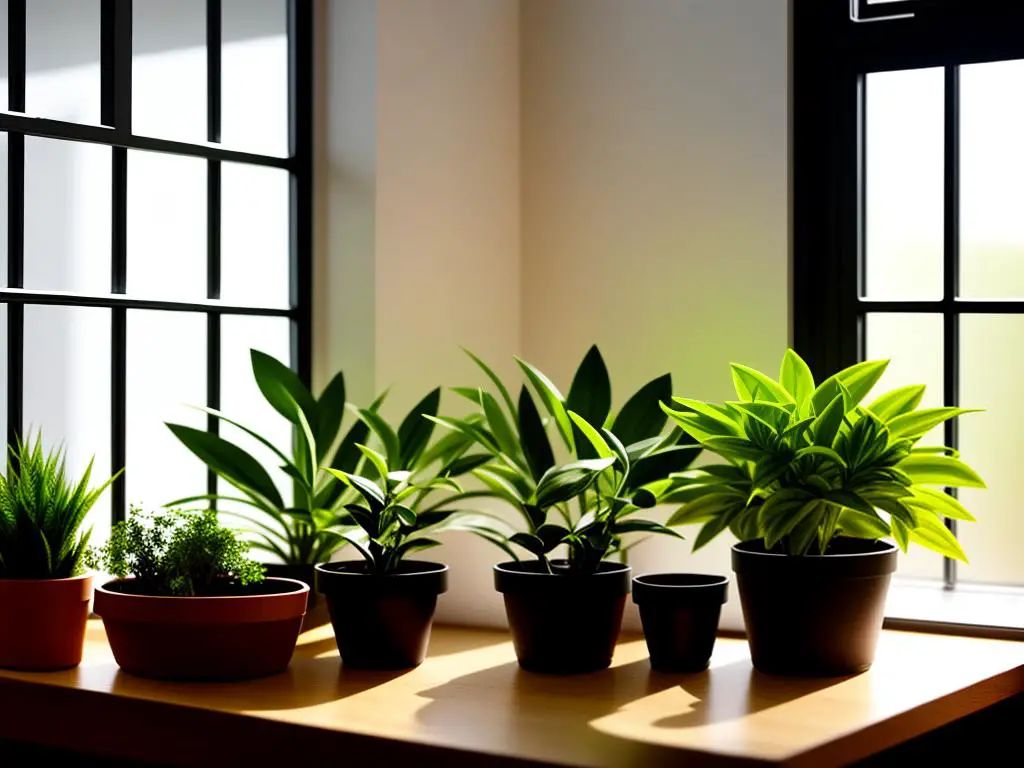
(531,177)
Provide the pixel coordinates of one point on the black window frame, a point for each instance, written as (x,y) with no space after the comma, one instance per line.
(115,131)
(836,43)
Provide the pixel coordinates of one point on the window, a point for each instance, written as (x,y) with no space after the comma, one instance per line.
(908,238)
(156,171)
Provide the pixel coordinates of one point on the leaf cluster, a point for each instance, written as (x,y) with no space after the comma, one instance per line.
(41,514)
(806,463)
(177,553)
(619,462)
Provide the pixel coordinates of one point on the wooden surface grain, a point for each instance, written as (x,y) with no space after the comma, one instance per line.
(471,705)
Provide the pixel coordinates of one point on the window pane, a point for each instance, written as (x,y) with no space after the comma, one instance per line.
(169,69)
(166,226)
(991,167)
(241,398)
(254,232)
(255,76)
(62,59)
(166,375)
(67,215)
(904,184)
(67,391)
(992,443)
(913,343)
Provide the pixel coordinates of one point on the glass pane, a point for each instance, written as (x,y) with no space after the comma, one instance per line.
(254,235)
(254,67)
(166,226)
(241,398)
(62,59)
(992,443)
(67,391)
(166,375)
(169,69)
(991,166)
(913,344)
(67,215)
(904,184)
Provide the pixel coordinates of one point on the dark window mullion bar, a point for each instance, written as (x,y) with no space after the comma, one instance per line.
(56,298)
(951,277)
(15,341)
(213,218)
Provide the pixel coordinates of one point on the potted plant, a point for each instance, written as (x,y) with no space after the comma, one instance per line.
(44,594)
(302,531)
(565,613)
(382,606)
(812,482)
(187,603)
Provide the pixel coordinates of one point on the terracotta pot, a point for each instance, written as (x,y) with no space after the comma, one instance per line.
(680,613)
(563,623)
(382,622)
(236,637)
(814,615)
(42,622)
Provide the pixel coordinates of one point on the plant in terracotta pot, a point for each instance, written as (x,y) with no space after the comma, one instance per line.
(44,594)
(812,482)
(565,612)
(188,604)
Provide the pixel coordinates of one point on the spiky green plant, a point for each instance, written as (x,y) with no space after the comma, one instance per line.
(41,514)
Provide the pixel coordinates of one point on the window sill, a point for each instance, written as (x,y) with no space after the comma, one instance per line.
(970,609)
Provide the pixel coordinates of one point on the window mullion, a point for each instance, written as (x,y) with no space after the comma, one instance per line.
(214,20)
(16,33)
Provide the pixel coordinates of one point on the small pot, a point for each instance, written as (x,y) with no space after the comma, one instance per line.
(563,623)
(382,622)
(233,637)
(42,622)
(680,612)
(814,615)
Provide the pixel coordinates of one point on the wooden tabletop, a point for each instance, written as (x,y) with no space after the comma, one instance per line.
(471,705)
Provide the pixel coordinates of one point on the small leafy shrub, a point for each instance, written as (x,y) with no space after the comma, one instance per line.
(177,553)
(41,514)
(806,463)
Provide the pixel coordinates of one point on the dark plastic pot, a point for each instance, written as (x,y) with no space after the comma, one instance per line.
(814,615)
(680,614)
(42,622)
(304,573)
(563,623)
(232,637)
(382,622)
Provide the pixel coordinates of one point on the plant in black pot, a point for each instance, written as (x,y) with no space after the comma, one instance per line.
(188,604)
(812,483)
(565,613)
(44,593)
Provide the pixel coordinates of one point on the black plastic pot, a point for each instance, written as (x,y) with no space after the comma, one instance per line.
(814,615)
(680,614)
(303,573)
(563,623)
(382,622)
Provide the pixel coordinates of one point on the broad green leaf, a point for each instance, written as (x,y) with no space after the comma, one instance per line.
(309,451)
(734,448)
(618,449)
(862,526)
(282,387)
(919,423)
(552,399)
(529,542)
(330,410)
(378,461)
(502,389)
(858,379)
(929,469)
(499,486)
(595,438)
(642,417)
(552,535)
(898,401)
(780,525)
(796,377)
(416,545)
(658,466)
(939,502)
(562,483)
(900,534)
(712,528)
(405,515)
(932,534)
(484,438)
(590,394)
(414,432)
(535,443)
(826,425)
(359,542)
(367,489)
(820,450)
(385,434)
(705,508)
(721,422)
(229,461)
(364,518)
(849,500)
(754,385)
(503,433)
(643,526)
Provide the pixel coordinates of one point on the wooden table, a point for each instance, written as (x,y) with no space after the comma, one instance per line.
(470,705)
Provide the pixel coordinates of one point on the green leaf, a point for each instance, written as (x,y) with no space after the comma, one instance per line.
(633,525)
(849,500)
(712,528)
(714,421)
(796,377)
(933,535)
(900,533)
(918,423)
(596,440)
(499,486)
(552,535)
(365,519)
(898,401)
(384,432)
(734,448)
(503,391)
(405,515)
(500,427)
(282,387)
(754,385)
(346,458)
(552,400)
(535,443)
(414,432)
(529,542)
(820,450)
(229,461)
(367,489)
(590,394)
(660,465)
(357,541)
(705,508)
(642,417)
(862,526)
(929,469)
(415,545)
(858,379)
(330,410)
(562,483)
(940,503)
(484,438)
(826,425)
(378,461)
